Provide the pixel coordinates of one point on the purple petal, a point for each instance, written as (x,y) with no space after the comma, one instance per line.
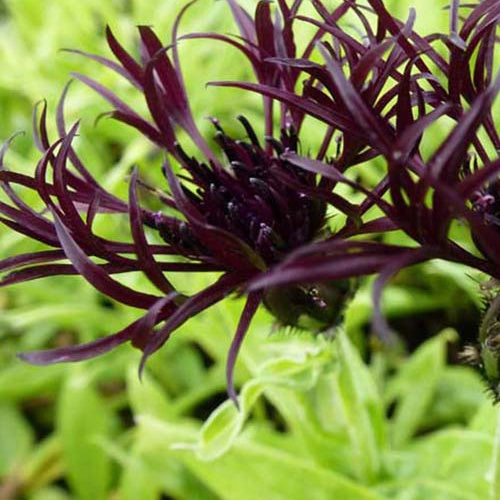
(326,268)
(407,258)
(144,255)
(95,275)
(82,351)
(132,67)
(192,306)
(31,258)
(479,179)
(249,310)
(108,63)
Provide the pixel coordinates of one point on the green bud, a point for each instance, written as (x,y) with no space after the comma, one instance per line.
(315,307)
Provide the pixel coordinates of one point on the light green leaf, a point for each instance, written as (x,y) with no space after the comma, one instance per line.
(456,458)
(294,373)
(415,385)
(20,380)
(49,493)
(363,410)
(226,422)
(16,438)
(145,395)
(459,393)
(137,483)
(83,420)
(493,475)
(250,470)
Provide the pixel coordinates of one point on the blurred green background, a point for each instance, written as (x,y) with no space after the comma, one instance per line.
(320,419)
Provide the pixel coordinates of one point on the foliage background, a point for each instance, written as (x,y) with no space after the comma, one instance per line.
(320,419)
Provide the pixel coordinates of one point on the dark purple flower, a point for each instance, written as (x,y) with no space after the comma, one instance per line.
(255,210)
(241,210)
(385,96)
(427,193)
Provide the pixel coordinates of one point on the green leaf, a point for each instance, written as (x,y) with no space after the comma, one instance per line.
(363,410)
(145,395)
(149,469)
(459,393)
(275,475)
(226,422)
(493,475)
(485,419)
(21,381)
(250,470)
(299,373)
(50,493)
(16,438)
(83,420)
(458,457)
(415,385)
(136,484)
(136,481)
(44,464)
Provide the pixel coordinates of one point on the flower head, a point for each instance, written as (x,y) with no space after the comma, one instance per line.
(255,209)
(238,211)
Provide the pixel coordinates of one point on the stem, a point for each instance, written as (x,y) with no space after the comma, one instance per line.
(493,474)
(490,317)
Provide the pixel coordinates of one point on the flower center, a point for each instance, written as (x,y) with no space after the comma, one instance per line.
(259,197)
